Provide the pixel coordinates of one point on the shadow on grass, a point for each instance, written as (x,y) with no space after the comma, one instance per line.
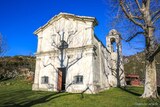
(4,79)
(30,102)
(128,90)
(135,90)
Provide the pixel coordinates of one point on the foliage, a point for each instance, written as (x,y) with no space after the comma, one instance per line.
(13,66)
(135,64)
(19,94)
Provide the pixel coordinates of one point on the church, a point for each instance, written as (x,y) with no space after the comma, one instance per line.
(71,58)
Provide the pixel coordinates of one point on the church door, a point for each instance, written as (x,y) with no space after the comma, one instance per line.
(61,79)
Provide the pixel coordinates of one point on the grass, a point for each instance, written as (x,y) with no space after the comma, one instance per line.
(18,93)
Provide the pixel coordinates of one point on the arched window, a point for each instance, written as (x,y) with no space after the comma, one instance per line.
(113,45)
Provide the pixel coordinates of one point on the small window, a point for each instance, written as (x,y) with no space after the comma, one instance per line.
(78,79)
(44,80)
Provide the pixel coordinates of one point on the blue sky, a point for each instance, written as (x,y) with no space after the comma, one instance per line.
(20,18)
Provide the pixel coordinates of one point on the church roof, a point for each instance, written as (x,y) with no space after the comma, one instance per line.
(67,15)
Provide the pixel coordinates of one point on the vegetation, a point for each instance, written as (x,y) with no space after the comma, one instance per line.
(135,64)
(17,61)
(18,93)
(11,67)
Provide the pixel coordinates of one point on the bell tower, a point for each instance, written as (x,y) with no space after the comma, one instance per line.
(116,76)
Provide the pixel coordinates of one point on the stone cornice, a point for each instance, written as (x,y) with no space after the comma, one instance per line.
(69,50)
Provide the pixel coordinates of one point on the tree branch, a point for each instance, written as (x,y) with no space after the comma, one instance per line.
(156,51)
(138,4)
(155,14)
(129,15)
(131,37)
(158,17)
(137,17)
(148,2)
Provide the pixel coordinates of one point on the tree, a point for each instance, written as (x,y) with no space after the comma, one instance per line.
(145,15)
(3,49)
(3,45)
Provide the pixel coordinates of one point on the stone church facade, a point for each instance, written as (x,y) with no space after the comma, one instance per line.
(70,57)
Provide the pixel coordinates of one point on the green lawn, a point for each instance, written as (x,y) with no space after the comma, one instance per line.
(18,93)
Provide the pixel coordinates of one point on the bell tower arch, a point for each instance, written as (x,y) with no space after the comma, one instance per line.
(114,46)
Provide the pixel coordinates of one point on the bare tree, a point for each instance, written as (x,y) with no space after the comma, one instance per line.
(3,45)
(144,16)
(3,49)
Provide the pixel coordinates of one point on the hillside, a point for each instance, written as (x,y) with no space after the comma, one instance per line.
(136,64)
(11,67)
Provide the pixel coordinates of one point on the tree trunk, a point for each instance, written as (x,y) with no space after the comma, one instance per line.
(150,89)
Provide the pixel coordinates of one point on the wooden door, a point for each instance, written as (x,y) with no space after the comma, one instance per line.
(61,79)
(59,85)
